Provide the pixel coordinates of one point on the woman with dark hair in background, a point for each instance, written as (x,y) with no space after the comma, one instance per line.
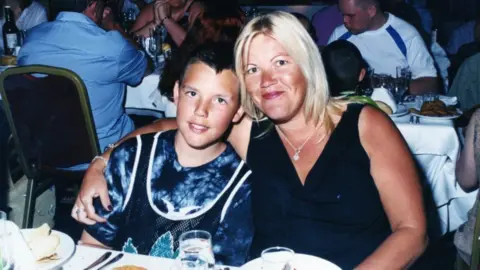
(344,66)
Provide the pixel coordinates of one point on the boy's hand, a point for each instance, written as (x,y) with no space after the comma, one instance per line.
(94,185)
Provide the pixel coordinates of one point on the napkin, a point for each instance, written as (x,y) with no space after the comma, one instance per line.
(449,101)
(22,256)
(383,95)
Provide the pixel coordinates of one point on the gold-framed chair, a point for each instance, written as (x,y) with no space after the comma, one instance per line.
(48,111)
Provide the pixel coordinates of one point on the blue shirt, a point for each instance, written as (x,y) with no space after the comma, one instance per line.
(155,199)
(104,60)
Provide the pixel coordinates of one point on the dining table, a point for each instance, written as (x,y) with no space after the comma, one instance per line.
(435,145)
(85,255)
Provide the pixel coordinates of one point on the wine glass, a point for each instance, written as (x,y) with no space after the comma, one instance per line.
(6,256)
(276,258)
(155,45)
(195,251)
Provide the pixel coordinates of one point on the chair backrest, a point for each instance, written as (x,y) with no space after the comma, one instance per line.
(474,263)
(49,114)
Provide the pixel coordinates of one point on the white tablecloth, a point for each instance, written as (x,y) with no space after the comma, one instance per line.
(436,146)
(145,99)
(84,256)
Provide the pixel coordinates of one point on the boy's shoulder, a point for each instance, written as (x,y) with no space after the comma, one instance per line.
(141,139)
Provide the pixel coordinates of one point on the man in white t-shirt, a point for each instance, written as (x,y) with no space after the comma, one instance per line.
(387,42)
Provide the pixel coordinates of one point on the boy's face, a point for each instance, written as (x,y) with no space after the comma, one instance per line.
(207,103)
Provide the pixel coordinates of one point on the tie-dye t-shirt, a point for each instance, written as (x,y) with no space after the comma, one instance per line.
(155,199)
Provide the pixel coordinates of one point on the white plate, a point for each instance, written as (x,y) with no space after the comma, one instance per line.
(449,117)
(64,251)
(299,262)
(401,111)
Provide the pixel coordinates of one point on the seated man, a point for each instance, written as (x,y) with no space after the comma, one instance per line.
(103,59)
(167,183)
(387,42)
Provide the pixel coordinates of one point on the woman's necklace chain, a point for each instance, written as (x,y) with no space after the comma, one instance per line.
(297,150)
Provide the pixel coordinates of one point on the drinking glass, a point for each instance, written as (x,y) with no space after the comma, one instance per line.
(155,44)
(196,251)
(6,258)
(276,258)
(402,83)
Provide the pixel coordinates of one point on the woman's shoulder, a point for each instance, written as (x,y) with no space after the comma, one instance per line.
(197,6)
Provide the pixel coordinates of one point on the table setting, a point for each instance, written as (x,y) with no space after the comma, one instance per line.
(427,125)
(45,249)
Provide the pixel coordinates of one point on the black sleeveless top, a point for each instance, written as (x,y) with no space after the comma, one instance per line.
(337,215)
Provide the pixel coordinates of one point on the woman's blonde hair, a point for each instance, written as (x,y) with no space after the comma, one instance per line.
(294,38)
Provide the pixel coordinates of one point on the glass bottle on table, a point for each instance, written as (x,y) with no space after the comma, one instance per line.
(10,32)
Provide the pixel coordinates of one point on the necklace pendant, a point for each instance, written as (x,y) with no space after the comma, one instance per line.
(296,156)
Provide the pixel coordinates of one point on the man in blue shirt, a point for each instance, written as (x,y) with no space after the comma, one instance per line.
(104,60)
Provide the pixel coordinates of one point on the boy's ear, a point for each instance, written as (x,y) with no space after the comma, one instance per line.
(238,115)
(175,93)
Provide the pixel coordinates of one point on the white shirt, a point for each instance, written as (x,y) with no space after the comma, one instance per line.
(30,17)
(33,15)
(396,43)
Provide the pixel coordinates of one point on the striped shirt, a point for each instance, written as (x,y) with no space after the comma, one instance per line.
(396,43)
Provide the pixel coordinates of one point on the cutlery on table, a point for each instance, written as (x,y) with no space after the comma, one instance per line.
(112,261)
(100,260)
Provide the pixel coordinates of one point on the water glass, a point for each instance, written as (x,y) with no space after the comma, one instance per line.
(196,251)
(276,258)
(6,256)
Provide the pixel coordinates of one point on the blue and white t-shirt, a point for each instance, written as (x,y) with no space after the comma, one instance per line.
(155,199)
(396,43)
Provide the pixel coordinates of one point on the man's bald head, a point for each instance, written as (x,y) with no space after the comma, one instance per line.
(367,3)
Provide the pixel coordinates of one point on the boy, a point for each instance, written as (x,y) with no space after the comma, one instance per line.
(164,184)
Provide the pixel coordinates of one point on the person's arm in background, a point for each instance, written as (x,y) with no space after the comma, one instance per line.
(466,170)
(422,66)
(176,31)
(132,65)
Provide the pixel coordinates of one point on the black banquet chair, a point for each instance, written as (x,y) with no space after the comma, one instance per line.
(49,115)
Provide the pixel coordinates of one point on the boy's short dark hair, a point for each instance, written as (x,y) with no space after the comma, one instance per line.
(343,63)
(217,55)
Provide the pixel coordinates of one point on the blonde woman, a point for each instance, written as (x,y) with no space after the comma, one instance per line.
(330,179)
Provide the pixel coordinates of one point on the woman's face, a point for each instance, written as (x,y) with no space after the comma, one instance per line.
(273,80)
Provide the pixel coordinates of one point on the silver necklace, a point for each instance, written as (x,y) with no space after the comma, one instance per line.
(297,150)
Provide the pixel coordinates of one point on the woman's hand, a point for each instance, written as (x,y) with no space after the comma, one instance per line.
(93,186)
(161,11)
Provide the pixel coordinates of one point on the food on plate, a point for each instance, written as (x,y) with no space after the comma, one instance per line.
(129,267)
(43,243)
(363,100)
(384,107)
(435,108)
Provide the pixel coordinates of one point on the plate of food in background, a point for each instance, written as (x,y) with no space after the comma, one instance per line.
(436,110)
(51,249)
